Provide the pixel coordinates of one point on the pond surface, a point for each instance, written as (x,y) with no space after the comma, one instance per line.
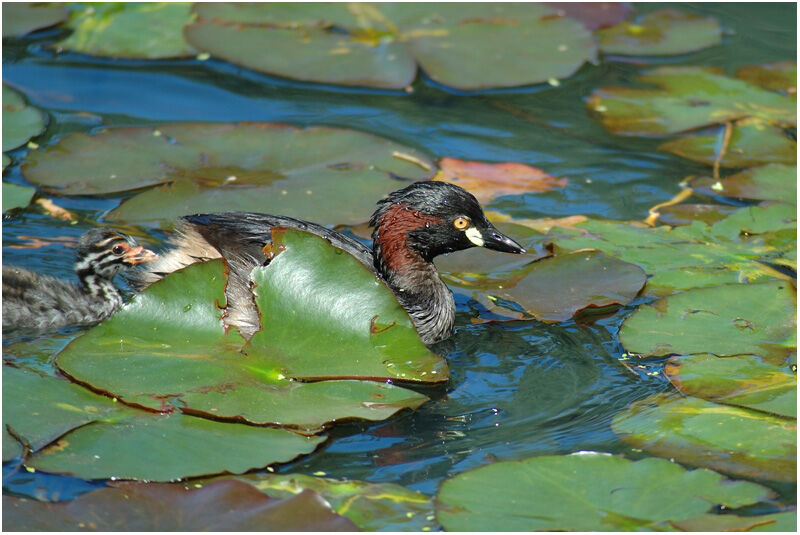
(519,388)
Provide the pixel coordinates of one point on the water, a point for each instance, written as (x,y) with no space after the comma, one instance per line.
(518,389)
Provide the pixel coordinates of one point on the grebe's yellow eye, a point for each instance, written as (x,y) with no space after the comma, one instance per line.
(461,222)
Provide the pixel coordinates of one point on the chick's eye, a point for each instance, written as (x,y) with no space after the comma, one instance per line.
(118,250)
(461,223)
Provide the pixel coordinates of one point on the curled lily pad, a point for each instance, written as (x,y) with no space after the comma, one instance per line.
(770,183)
(730,319)
(745,381)
(23,17)
(466,46)
(688,98)
(197,365)
(586,491)
(333,173)
(661,33)
(752,142)
(218,506)
(370,506)
(116,30)
(487,181)
(780,76)
(15,196)
(697,432)
(20,121)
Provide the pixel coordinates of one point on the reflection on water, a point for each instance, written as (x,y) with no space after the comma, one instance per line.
(517,389)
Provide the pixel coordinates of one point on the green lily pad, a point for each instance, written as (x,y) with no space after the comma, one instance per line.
(730,319)
(710,523)
(688,98)
(466,46)
(745,381)
(782,522)
(40,409)
(198,366)
(12,448)
(370,506)
(694,255)
(116,30)
(661,33)
(177,446)
(555,289)
(752,142)
(584,492)
(335,174)
(219,506)
(22,18)
(15,196)
(770,183)
(780,76)
(697,432)
(20,121)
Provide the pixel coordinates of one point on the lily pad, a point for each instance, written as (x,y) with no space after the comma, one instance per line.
(487,181)
(594,15)
(730,319)
(689,98)
(15,196)
(219,506)
(555,289)
(770,183)
(780,76)
(685,214)
(584,492)
(370,506)
(198,366)
(752,142)
(150,30)
(335,174)
(694,255)
(20,121)
(22,18)
(12,448)
(661,33)
(466,46)
(745,381)
(697,432)
(708,523)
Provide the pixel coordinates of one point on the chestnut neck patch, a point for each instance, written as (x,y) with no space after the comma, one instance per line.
(392,235)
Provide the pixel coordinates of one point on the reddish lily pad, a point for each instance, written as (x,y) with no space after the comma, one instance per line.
(745,381)
(661,33)
(688,98)
(202,368)
(696,432)
(752,142)
(20,121)
(780,76)
(22,18)
(730,319)
(266,167)
(586,491)
(770,183)
(226,505)
(370,506)
(466,46)
(487,181)
(594,15)
(116,30)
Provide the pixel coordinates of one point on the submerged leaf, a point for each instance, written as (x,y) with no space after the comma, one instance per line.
(586,491)
(696,432)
